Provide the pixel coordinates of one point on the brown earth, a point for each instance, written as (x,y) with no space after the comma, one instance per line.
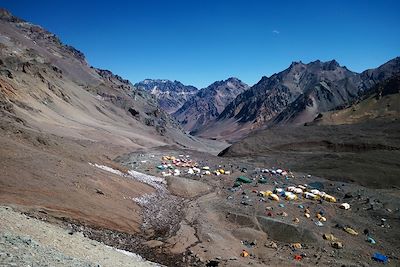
(38,172)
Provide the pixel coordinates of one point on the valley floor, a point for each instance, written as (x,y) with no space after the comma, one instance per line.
(219,221)
(126,202)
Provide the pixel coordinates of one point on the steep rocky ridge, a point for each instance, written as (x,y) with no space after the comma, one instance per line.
(325,97)
(208,103)
(380,102)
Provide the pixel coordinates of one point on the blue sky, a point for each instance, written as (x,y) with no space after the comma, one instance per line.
(199,42)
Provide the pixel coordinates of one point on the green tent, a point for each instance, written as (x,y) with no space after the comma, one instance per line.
(244,179)
(262,181)
(237,184)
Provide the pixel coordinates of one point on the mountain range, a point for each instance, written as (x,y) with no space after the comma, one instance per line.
(49,85)
(231,109)
(227,109)
(191,107)
(171,95)
(296,96)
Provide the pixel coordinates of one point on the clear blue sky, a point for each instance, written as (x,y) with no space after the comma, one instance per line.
(199,42)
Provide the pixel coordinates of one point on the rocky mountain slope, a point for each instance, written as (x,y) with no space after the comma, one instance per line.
(380,102)
(49,85)
(323,98)
(171,95)
(208,103)
(295,96)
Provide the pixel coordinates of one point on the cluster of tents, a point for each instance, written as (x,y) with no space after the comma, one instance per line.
(171,165)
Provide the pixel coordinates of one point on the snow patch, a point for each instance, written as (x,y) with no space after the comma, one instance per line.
(145,199)
(130,254)
(127,253)
(105,168)
(157,183)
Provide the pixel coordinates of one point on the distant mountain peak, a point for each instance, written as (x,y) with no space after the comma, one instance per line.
(208,103)
(171,95)
(333,64)
(159,81)
(233,79)
(163,84)
(295,63)
(148,80)
(333,61)
(230,83)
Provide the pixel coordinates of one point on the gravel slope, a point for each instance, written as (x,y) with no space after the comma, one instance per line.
(25,241)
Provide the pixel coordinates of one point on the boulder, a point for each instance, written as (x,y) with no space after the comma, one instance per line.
(285,232)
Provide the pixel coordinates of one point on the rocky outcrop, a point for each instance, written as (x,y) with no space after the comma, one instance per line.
(271,95)
(5,15)
(286,232)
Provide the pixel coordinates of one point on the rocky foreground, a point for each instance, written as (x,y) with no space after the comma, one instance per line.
(26,241)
